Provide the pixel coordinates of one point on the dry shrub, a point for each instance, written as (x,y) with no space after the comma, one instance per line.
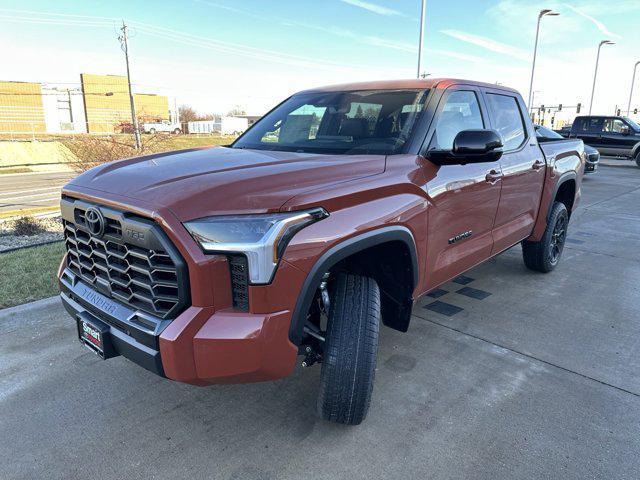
(89,151)
(27,226)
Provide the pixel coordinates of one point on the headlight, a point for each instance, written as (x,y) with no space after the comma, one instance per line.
(261,238)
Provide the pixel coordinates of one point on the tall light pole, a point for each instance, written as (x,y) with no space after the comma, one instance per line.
(543,13)
(422,13)
(124,40)
(633,80)
(595,73)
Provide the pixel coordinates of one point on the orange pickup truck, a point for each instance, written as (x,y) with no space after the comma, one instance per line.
(330,216)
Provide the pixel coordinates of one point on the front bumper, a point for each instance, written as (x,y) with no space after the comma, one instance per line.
(591,165)
(200,346)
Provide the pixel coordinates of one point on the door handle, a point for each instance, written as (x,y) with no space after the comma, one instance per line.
(538,164)
(493,176)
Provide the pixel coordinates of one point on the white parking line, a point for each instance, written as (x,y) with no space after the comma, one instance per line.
(30,190)
(50,199)
(28,196)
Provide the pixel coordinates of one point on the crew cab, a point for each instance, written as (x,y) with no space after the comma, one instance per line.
(612,136)
(330,216)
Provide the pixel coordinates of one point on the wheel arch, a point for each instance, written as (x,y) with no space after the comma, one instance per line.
(564,191)
(356,249)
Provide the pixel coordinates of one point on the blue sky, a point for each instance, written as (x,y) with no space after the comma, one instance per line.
(215,54)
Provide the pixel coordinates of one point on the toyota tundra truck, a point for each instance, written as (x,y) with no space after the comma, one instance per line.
(330,216)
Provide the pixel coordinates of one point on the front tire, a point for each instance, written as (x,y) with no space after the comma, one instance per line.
(351,350)
(544,255)
(152,131)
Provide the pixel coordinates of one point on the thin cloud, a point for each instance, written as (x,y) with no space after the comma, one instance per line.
(371,7)
(488,44)
(599,25)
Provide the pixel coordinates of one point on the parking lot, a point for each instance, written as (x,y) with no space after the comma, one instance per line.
(521,375)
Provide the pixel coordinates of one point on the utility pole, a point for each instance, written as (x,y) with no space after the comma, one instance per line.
(124,41)
(422,12)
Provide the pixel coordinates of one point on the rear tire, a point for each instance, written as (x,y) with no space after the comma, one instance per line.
(638,160)
(152,131)
(544,256)
(177,131)
(351,350)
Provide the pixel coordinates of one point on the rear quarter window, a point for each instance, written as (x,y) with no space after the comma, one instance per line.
(507,120)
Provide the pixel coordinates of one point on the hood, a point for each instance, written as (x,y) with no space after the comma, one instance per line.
(221,180)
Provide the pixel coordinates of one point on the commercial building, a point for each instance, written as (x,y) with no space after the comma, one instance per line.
(21,108)
(100,105)
(107,106)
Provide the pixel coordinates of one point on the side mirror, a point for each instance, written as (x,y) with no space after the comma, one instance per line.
(625,130)
(470,146)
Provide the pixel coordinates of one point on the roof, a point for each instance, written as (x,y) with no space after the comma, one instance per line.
(405,84)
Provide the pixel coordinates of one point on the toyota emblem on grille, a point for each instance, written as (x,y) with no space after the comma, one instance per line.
(95,221)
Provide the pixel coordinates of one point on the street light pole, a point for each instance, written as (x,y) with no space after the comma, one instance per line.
(633,80)
(542,13)
(595,73)
(422,13)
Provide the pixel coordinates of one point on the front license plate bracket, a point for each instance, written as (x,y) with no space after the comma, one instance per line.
(95,335)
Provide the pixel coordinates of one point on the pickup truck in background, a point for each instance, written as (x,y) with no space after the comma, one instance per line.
(611,136)
(330,216)
(164,126)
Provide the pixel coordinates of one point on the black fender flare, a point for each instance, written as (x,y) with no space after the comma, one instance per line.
(563,179)
(339,252)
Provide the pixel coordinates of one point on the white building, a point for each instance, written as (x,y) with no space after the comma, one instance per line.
(63,110)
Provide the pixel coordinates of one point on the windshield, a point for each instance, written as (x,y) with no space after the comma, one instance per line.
(633,124)
(354,122)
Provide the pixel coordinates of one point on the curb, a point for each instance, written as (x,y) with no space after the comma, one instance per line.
(33,245)
(28,307)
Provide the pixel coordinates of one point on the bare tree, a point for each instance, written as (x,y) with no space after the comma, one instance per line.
(237,110)
(187,113)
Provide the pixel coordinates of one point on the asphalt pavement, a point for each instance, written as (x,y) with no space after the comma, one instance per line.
(31,191)
(520,376)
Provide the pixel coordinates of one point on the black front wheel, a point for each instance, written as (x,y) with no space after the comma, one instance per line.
(544,255)
(351,349)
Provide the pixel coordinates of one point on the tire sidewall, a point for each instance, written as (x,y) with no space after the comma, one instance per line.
(558,211)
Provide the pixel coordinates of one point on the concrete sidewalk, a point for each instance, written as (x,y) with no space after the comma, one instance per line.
(520,376)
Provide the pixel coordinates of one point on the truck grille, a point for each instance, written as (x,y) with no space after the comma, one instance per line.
(142,270)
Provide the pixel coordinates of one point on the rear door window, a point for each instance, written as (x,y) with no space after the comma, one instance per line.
(592,125)
(507,120)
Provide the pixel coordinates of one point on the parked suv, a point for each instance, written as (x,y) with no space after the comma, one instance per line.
(331,215)
(614,136)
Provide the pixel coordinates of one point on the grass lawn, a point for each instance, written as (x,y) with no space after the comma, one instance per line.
(29,274)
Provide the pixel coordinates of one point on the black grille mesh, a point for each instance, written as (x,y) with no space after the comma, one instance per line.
(239,270)
(144,279)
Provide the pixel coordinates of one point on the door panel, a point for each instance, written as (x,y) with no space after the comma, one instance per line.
(613,141)
(463,203)
(464,198)
(523,167)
